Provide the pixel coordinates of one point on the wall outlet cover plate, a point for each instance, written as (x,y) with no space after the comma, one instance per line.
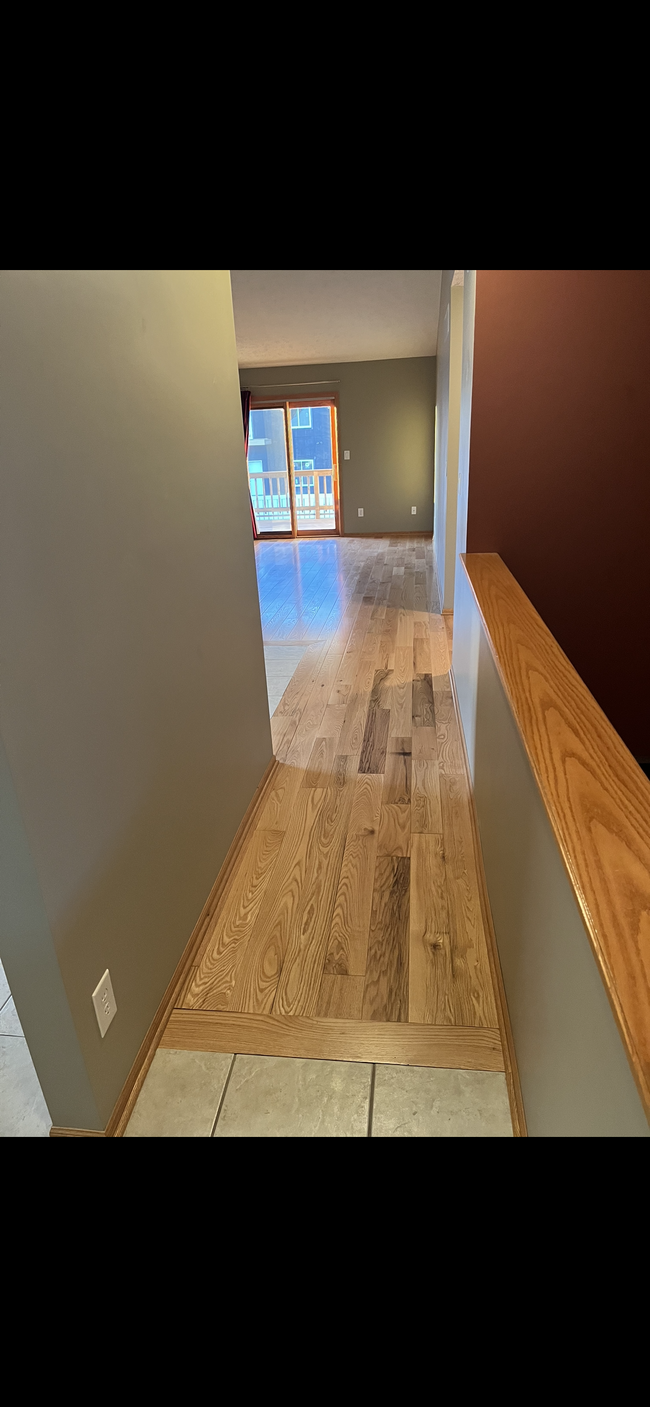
(104,1003)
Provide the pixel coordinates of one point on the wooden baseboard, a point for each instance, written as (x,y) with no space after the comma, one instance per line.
(510,1058)
(76,1133)
(306,537)
(300,537)
(324,1038)
(138,1072)
(427,535)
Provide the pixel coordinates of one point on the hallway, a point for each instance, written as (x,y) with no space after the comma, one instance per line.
(352,927)
(272,866)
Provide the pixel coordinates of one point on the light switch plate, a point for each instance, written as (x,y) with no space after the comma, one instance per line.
(346,454)
(360,512)
(104,1003)
(414,510)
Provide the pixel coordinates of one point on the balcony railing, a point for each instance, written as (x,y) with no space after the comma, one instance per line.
(314,494)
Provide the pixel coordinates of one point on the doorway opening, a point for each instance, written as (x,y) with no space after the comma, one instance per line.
(293,467)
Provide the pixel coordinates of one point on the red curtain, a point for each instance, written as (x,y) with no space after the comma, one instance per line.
(246,415)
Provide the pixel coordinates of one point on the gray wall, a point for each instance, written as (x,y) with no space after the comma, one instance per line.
(465,417)
(442,430)
(386,420)
(575,1077)
(133,706)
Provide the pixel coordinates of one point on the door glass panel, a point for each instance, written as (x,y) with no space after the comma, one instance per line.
(268,473)
(313,463)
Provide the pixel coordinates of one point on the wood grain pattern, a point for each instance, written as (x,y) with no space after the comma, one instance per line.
(426,815)
(340,996)
(431,974)
(386,991)
(473,994)
(386,651)
(187,984)
(261,964)
(421,654)
(318,918)
(449,740)
(448,618)
(404,634)
(351,737)
(297,750)
(56,1132)
(388,1043)
(596,797)
(226,943)
(348,943)
(424,745)
(401,723)
(332,721)
(302,680)
(401,745)
(340,694)
(423,707)
(395,830)
(306,948)
(275,814)
(366,805)
(381,693)
(375,739)
(397,773)
(321,762)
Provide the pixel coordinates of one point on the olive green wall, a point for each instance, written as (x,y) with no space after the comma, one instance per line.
(386,413)
(133,706)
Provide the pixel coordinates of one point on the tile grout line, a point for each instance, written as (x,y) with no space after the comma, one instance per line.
(223,1096)
(371,1101)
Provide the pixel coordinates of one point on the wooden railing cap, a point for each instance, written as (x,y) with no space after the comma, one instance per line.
(596,796)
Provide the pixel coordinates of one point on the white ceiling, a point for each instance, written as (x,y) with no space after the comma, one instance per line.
(300,317)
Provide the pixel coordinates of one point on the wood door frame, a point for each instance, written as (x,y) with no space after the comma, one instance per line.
(287,404)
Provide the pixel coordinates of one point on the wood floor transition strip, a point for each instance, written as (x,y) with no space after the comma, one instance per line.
(323,1038)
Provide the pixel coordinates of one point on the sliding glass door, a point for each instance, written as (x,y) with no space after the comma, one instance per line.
(268,471)
(293,468)
(313,452)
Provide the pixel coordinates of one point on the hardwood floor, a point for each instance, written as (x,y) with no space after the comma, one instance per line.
(355,905)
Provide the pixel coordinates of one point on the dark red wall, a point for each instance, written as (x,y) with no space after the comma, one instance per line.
(559,479)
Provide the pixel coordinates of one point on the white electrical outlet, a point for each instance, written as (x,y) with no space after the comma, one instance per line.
(346,454)
(104,1003)
(360,512)
(414,510)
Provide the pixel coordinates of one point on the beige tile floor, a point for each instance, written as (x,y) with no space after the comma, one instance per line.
(23,1111)
(195,1095)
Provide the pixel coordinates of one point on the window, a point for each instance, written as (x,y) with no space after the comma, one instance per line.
(303,466)
(301,418)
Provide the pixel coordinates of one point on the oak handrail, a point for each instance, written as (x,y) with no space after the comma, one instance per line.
(596,796)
